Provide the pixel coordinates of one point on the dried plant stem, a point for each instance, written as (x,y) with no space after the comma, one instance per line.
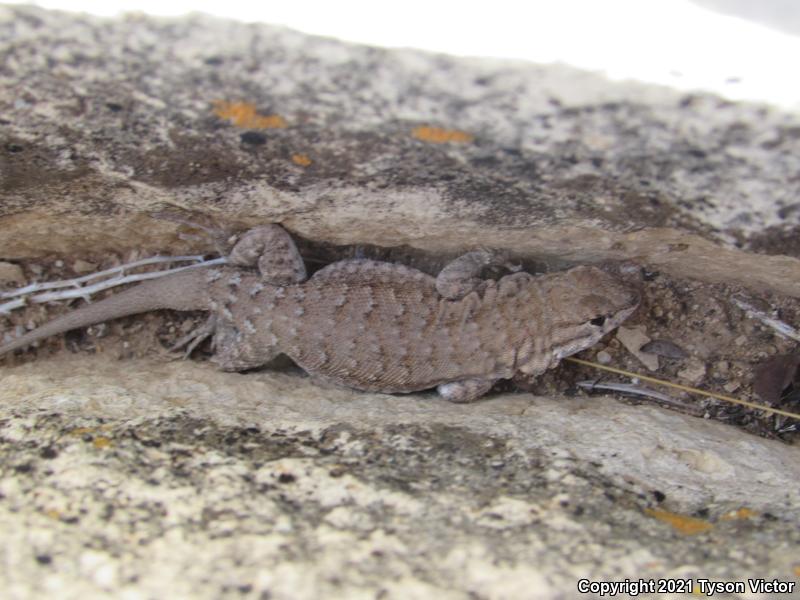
(685,388)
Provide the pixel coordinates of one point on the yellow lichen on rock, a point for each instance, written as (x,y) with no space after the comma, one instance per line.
(681,523)
(437,135)
(244,115)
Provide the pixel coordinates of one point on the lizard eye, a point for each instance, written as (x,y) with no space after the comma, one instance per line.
(598,321)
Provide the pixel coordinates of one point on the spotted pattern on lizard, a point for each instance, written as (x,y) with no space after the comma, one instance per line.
(377,326)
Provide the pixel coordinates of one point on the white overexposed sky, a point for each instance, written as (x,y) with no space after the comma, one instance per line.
(671,42)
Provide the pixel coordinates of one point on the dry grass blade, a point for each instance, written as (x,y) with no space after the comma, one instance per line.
(685,388)
(637,390)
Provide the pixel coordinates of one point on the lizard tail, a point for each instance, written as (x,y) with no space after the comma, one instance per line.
(181,291)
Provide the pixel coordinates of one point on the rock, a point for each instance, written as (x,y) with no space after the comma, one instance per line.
(11,273)
(604,358)
(155,478)
(694,372)
(633,338)
(226,477)
(82,267)
(582,169)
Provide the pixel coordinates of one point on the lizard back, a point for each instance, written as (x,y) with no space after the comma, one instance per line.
(392,331)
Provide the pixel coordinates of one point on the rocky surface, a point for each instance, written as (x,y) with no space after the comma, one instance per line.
(125,473)
(173,479)
(348,144)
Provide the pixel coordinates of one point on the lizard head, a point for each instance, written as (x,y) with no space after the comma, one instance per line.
(586,303)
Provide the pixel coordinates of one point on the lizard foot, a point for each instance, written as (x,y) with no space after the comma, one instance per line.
(465,390)
(462,275)
(195,337)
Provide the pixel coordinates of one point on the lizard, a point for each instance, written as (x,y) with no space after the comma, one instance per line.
(376,326)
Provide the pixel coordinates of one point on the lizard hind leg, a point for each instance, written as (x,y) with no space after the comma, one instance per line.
(465,390)
(234,351)
(196,336)
(273,251)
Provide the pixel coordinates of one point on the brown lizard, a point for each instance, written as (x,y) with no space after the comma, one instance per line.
(373,325)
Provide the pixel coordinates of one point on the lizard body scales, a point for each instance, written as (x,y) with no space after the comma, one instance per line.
(378,326)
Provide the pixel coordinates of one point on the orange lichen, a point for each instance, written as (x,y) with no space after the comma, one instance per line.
(796,571)
(681,523)
(101,442)
(244,115)
(738,515)
(437,135)
(301,159)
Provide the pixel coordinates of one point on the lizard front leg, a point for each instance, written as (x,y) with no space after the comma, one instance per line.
(243,338)
(461,276)
(273,251)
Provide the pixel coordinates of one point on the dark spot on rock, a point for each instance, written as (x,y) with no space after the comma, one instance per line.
(11,147)
(659,496)
(48,452)
(785,211)
(213,61)
(286,478)
(677,247)
(44,559)
(113,106)
(649,275)
(24,468)
(253,138)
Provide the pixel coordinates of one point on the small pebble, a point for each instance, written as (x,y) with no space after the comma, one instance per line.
(722,367)
(83,266)
(731,387)
(633,338)
(694,372)
(9,272)
(603,357)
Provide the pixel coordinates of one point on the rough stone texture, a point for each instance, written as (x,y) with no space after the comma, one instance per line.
(153,478)
(106,121)
(173,479)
